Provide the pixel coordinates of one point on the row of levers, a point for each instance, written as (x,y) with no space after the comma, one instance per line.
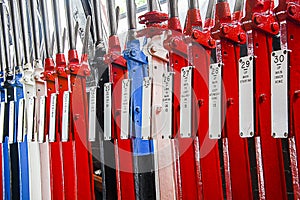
(149,100)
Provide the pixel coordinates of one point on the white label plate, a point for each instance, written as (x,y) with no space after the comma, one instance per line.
(52,121)
(125,115)
(246,100)
(20,120)
(92,113)
(66,116)
(186,102)
(107,111)
(2,115)
(146,114)
(42,119)
(215,101)
(167,104)
(11,121)
(279,91)
(30,117)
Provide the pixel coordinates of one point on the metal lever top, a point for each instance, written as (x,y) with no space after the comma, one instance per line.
(6,43)
(239,5)
(173,8)
(210,9)
(35,28)
(2,50)
(193,4)
(153,5)
(46,27)
(112,17)
(70,25)
(25,32)
(57,26)
(87,35)
(98,20)
(131,14)
(14,16)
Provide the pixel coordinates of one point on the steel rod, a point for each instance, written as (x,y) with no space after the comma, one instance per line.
(6,38)
(173,8)
(25,30)
(46,27)
(16,33)
(35,28)
(70,25)
(57,23)
(131,14)
(193,4)
(112,17)
(98,20)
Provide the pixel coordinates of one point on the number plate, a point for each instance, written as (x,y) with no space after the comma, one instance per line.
(168,84)
(215,101)
(42,119)
(186,102)
(125,119)
(146,114)
(11,121)
(246,100)
(92,113)
(107,111)
(52,121)
(30,116)
(20,120)
(65,116)
(2,115)
(279,99)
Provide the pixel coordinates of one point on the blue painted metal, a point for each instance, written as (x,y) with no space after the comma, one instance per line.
(6,169)
(22,146)
(143,150)
(137,69)
(24,171)
(11,147)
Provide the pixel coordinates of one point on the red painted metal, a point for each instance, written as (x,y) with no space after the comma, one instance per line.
(55,151)
(153,19)
(209,151)
(81,147)
(260,19)
(125,171)
(288,11)
(188,177)
(230,35)
(67,147)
